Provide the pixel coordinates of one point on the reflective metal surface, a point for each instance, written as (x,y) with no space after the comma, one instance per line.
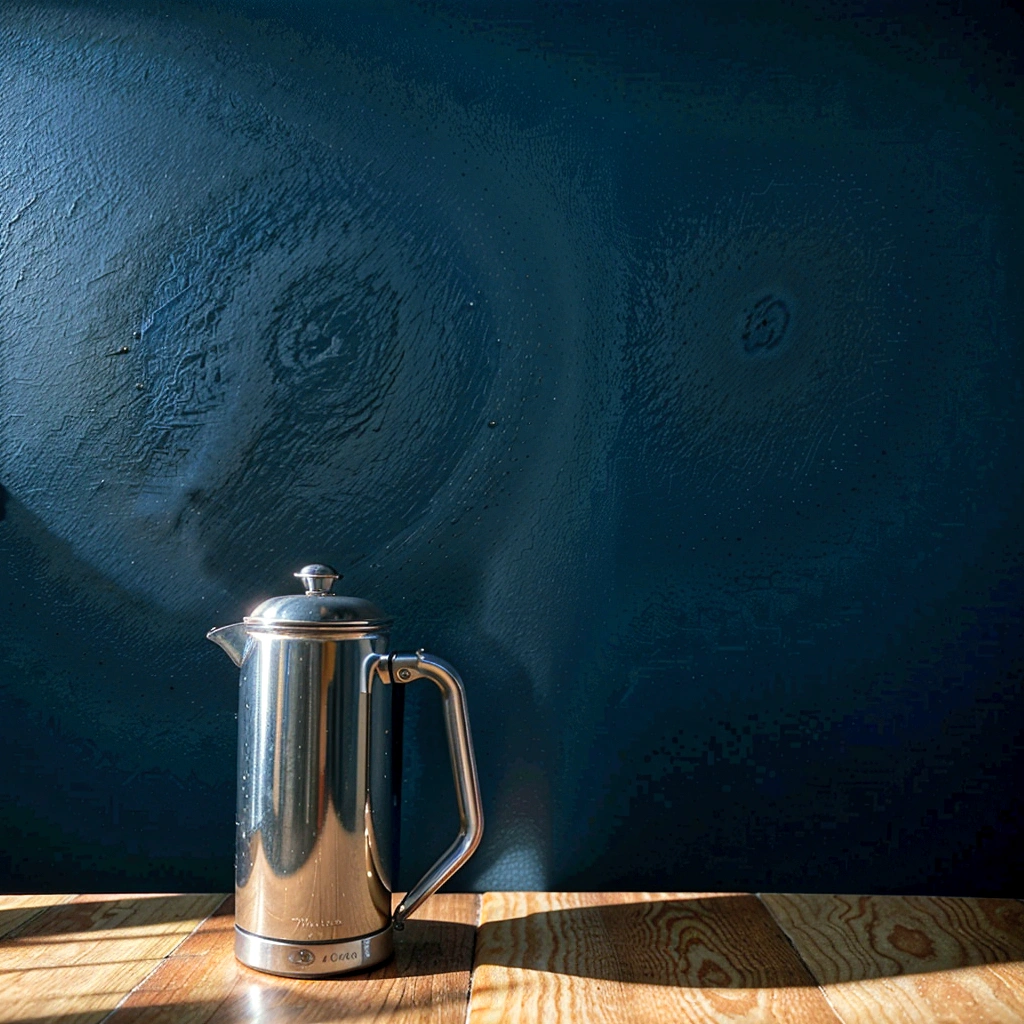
(311,864)
(313,857)
(318,606)
(312,960)
(232,640)
(405,668)
(317,578)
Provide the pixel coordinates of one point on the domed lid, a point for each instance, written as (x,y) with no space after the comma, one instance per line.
(318,606)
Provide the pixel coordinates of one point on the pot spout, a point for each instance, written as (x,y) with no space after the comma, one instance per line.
(232,638)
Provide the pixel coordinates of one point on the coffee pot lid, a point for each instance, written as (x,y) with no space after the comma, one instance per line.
(318,606)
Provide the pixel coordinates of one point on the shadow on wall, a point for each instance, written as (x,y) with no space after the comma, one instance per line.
(658,365)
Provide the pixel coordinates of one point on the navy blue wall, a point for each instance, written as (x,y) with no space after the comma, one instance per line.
(660,367)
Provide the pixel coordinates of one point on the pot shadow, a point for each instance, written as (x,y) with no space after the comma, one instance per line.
(728,941)
(732,941)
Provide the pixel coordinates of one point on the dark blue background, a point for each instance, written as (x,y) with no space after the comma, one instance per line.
(658,365)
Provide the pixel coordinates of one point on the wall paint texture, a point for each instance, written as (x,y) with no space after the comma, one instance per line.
(659,365)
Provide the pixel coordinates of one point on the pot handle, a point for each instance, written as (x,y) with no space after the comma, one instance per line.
(404,668)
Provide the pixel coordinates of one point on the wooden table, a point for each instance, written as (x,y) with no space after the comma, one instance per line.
(533,957)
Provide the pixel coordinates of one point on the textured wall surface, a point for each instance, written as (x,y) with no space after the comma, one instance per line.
(660,368)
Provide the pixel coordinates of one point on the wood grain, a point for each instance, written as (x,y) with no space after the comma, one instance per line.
(911,959)
(16,910)
(74,962)
(427,982)
(636,957)
(549,957)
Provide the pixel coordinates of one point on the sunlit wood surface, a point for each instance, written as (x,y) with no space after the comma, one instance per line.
(533,957)
(910,959)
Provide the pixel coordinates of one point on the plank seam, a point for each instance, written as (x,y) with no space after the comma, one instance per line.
(807,967)
(167,956)
(12,933)
(831,1005)
(472,959)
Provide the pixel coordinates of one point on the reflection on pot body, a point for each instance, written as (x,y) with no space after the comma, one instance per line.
(313,857)
(316,780)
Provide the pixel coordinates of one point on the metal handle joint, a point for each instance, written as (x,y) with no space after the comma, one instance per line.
(405,668)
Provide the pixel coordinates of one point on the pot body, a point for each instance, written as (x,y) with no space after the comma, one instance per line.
(314,829)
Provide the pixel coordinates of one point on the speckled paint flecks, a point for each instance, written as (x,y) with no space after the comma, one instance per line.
(660,369)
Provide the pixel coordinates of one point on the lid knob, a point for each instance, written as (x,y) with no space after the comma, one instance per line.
(317,579)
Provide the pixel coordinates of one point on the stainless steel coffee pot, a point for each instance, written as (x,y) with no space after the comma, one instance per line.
(316,781)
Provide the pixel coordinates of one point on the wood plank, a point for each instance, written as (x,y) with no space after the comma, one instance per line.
(75,962)
(636,957)
(427,982)
(911,959)
(16,910)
